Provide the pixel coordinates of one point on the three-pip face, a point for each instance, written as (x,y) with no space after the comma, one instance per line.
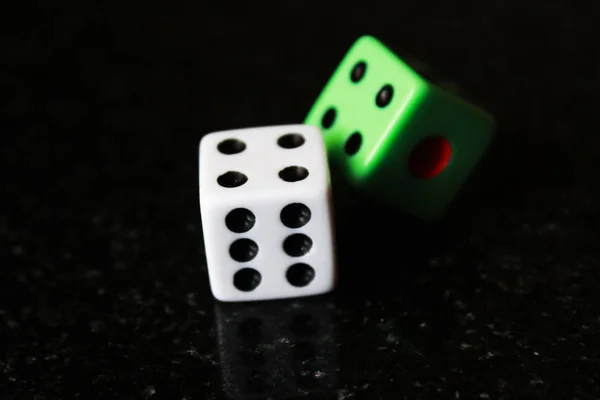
(395,134)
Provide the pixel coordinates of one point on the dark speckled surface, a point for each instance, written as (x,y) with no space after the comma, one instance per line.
(103,290)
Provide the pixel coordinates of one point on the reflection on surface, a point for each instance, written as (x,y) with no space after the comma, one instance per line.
(279,349)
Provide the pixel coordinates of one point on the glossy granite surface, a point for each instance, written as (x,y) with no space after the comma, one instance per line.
(103,288)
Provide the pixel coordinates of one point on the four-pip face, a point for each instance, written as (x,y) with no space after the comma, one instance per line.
(361,104)
(395,134)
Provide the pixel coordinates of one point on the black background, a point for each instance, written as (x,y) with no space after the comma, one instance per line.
(104,292)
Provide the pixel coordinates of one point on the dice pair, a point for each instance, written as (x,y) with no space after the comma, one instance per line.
(265,193)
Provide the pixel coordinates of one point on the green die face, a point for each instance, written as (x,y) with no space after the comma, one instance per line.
(395,135)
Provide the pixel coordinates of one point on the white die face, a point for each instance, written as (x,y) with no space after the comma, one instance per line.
(265,201)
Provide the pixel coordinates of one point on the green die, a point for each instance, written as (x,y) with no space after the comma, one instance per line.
(396,135)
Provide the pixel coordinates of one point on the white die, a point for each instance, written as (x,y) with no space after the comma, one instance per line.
(276,173)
